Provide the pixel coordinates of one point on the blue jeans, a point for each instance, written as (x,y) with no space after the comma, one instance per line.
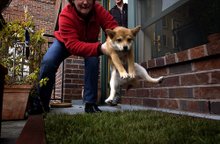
(49,65)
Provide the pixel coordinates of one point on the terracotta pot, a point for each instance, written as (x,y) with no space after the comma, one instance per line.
(214,37)
(15,100)
(3,72)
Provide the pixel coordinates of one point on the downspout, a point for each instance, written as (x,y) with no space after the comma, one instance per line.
(62,84)
(104,65)
(132,23)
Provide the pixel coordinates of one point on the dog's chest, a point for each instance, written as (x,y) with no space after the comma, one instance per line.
(123,56)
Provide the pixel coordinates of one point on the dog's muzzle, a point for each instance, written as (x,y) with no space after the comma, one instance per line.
(125,48)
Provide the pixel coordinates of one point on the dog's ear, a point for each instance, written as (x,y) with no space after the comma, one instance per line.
(136,30)
(110,33)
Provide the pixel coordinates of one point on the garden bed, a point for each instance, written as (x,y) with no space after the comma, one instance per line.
(130,127)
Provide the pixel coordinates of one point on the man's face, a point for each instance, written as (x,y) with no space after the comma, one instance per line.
(84,6)
(118,1)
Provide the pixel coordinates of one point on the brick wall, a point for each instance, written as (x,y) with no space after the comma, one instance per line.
(41,10)
(73,78)
(192,81)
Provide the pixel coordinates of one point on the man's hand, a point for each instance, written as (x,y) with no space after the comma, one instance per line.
(103,49)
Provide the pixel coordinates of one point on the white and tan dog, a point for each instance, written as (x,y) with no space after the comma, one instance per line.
(119,48)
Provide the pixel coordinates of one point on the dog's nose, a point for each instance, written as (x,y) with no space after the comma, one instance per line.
(125,48)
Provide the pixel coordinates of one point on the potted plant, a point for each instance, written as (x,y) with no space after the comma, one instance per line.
(21,51)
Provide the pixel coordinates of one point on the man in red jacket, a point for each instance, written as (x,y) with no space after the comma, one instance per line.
(79,27)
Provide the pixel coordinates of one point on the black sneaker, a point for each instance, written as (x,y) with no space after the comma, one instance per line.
(91,108)
(96,108)
(115,100)
(117,97)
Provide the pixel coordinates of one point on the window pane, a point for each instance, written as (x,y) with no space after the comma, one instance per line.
(150,8)
(168,3)
(174,32)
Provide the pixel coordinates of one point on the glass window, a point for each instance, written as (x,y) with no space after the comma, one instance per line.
(169,33)
(168,3)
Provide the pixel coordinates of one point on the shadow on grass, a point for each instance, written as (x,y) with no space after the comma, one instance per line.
(130,127)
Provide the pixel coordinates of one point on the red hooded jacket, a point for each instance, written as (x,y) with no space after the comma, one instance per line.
(80,36)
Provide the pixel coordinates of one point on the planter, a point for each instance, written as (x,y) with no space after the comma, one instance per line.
(3,72)
(15,100)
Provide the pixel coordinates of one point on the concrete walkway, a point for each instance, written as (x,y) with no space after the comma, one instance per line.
(78,107)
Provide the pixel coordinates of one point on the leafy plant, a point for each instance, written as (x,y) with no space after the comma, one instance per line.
(22,60)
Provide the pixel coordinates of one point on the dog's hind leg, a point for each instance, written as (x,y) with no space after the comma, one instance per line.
(114,83)
(141,71)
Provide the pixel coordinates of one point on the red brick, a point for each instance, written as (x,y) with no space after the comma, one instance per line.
(77,82)
(197,52)
(194,106)
(144,64)
(160,61)
(68,71)
(67,81)
(180,68)
(140,92)
(207,64)
(168,103)
(170,59)
(181,93)
(195,79)
(149,85)
(42,12)
(125,100)
(160,93)
(150,102)
(171,81)
(131,92)
(70,76)
(213,48)
(136,101)
(215,77)
(182,56)
(158,72)
(207,92)
(141,84)
(77,71)
(151,63)
(68,66)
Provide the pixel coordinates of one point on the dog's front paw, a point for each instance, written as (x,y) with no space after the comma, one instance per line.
(132,75)
(124,75)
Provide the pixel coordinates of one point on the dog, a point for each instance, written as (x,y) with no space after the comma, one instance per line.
(125,72)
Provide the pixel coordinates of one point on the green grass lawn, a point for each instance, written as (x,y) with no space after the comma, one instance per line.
(130,127)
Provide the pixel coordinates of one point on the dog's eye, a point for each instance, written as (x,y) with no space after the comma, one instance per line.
(129,40)
(119,40)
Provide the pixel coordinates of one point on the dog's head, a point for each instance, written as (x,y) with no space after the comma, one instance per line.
(122,38)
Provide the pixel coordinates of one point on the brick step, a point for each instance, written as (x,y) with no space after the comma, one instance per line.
(33,131)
